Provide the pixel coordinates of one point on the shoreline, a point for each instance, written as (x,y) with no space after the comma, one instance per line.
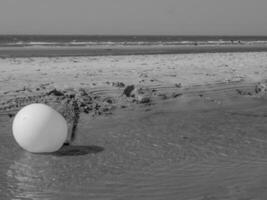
(6,52)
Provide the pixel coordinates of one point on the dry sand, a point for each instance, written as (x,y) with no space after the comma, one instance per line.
(159,70)
(194,127)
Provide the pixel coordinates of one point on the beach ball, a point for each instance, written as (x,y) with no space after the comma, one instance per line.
(38,128)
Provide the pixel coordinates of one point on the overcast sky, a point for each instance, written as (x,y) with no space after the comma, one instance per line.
(175,17)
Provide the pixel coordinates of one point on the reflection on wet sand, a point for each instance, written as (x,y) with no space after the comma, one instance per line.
(28,174)
(34,176)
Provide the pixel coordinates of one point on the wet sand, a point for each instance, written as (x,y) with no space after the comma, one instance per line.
(198,137)
(191,148)
(126,50)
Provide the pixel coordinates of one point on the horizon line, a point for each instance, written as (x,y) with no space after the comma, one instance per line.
(170,35)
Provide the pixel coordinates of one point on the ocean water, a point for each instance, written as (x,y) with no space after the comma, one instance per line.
(122,40)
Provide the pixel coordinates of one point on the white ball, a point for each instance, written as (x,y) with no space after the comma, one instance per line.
(38,128)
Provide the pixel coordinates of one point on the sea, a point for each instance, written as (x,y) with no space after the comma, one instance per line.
(123,40)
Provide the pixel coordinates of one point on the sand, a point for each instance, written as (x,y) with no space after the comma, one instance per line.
(194,127)
(157,70)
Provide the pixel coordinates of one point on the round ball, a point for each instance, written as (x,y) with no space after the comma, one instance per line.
(38,128)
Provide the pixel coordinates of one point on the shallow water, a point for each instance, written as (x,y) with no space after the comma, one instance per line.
(188,150)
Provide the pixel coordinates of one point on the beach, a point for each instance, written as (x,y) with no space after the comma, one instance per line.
(173,125)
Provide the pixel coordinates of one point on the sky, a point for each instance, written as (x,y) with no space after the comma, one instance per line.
(144,17)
